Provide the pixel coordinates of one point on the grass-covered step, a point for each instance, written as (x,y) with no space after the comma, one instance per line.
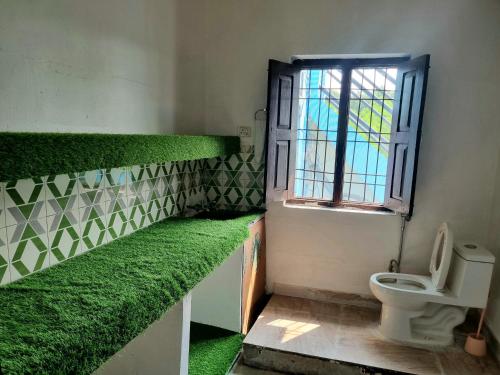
(25,155)
(71,318)
(212,350)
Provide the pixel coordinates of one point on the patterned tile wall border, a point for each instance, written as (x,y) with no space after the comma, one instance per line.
(235,182)
(46,220)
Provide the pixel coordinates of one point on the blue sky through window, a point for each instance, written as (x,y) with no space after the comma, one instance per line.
(370,114)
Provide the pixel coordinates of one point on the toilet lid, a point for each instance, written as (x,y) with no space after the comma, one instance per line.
(441,256)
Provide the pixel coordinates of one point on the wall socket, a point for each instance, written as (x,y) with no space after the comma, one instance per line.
(245,131)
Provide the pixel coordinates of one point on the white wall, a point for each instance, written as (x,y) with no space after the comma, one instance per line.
(494,245)
(339,251)
(87,66)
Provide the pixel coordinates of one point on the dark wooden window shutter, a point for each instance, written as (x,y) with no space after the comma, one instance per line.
(405,134)
(282,103)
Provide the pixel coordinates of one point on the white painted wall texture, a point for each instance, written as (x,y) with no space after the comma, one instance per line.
(87,66)
(461,131)
(494,245)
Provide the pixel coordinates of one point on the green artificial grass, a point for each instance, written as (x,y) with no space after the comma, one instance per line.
(71,318)
(25,155)
(212,350)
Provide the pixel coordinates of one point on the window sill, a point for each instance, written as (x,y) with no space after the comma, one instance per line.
(345,209)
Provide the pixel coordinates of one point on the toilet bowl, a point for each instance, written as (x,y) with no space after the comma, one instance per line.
(424,309)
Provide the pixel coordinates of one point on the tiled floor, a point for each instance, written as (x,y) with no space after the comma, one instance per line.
(346,335)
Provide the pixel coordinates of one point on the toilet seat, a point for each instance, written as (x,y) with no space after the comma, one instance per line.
(407,288)
(402,281)
(441,256)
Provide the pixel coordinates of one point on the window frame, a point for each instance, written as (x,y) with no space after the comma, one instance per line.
(346,65)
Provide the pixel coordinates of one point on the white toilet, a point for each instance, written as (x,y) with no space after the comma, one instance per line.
(423,310)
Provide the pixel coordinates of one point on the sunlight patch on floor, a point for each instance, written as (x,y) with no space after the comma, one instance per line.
(292,328)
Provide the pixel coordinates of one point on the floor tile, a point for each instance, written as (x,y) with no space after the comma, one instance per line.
(349,334)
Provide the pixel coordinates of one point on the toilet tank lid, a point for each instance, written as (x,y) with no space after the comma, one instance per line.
(473,252)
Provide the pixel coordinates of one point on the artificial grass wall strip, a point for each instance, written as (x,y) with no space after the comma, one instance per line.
(212,350)
(71,318)
(25,155)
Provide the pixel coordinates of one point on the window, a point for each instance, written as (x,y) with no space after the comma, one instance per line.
(345,131)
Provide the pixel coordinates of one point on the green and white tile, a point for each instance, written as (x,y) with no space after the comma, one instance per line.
(115,184)
(93,234)
(167,168)
(216,178)
(4,258)
(117,219)
(253,198)
(196,178)
(196,197)
(152,170)
(161,186)
(48,220)
(93,226)
(214,194)
(28,249)
(233,196)
(234,162)
(184,179)
(137,173)
(61,193)
(92,212)
(24,201)
(138,217)
(151,183)
(229,180)
(64,236)
(168,206)
(91,187)
(236,179)
(156,188)
(180,166)
(167,187)
(175,184)
(214,163)
(154,210)
(136,180)
(2,205)
(92,180)
(180,203)
(190,166)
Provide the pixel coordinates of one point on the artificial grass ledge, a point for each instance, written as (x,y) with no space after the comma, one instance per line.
(69,319)
(25,155)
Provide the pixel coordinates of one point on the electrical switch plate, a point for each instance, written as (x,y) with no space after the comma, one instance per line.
(245,131)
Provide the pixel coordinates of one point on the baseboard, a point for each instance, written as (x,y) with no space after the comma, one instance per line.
(329,296)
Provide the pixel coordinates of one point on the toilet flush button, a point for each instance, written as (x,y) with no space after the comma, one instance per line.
(470,246)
